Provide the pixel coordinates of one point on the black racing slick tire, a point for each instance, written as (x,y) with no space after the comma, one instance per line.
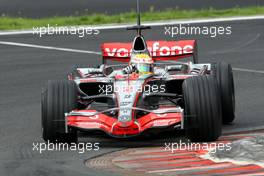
(202,111)
(58,98)
(224,76)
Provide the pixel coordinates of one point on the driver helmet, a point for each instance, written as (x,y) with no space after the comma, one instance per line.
(143,63)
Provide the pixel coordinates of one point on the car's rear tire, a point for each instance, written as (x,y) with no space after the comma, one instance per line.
(202,109)
(57,99)
(224,76)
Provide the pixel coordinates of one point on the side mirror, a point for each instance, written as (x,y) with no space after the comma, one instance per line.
(107,70)
(179,68)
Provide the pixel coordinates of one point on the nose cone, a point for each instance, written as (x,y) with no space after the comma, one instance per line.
(125,120)
(125,128)
(125,124)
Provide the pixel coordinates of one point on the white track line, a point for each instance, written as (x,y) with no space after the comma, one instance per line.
(158,23)
(92,52)
(48,47)
(248,70)
(246,129)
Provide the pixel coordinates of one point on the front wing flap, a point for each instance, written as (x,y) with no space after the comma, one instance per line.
(93,120)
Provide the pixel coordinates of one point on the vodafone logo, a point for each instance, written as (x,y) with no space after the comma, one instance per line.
(121,52)
(159,50)
(155,49)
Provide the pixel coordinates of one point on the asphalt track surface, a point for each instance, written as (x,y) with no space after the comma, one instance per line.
(24,71)
(46,8)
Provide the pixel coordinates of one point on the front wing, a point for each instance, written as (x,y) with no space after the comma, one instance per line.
(93,120)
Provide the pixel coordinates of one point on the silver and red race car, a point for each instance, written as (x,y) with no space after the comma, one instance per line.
(151,90)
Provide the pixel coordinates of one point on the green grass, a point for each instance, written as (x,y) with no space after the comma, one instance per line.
(7,23)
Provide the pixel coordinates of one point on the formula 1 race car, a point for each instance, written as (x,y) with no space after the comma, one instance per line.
(151,91)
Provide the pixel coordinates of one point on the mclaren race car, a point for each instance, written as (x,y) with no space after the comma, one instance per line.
(150,90)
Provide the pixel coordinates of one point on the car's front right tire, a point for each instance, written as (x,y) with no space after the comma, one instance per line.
(58,98)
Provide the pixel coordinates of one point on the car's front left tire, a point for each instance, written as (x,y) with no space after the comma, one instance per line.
(202,109)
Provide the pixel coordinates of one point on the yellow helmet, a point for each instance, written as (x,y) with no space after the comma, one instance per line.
(143,63)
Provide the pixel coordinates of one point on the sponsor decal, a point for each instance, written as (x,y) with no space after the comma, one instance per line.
(155,49)
(125,103)
(127,96)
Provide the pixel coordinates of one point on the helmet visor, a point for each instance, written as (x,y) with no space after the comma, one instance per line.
(143,67)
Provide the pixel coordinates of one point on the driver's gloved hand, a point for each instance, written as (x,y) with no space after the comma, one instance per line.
(129,69)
